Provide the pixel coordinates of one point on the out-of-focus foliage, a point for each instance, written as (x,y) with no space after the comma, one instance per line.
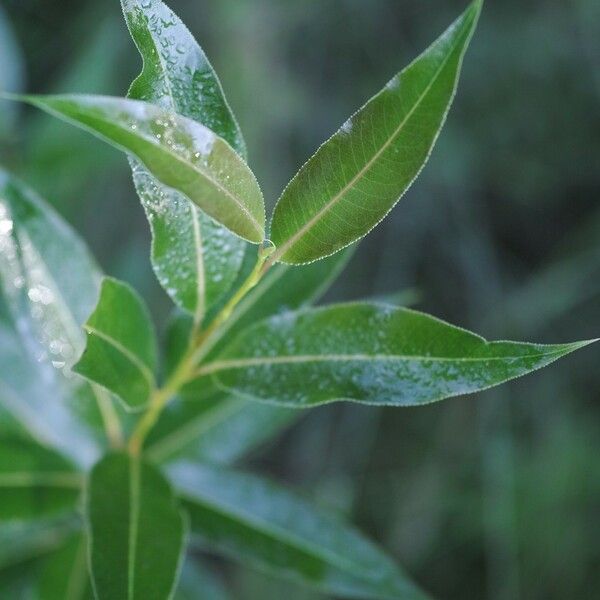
(493,499)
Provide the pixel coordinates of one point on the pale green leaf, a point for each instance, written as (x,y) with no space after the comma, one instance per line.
(265,526)
(358,175)
(121,350)
(180,153)
(369,353)
(50,283)
(195,258)
(136,531)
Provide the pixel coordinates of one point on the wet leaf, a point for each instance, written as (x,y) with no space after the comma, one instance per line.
(35,482)
(180,153)
(136,530)
(370,353)
(195,258)
(121,353)
(357,176)
(50,283)
(265,526)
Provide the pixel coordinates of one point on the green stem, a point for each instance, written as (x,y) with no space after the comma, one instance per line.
(186,368)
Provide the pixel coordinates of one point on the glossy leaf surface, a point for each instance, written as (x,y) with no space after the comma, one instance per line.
(50,283)
(195,258)
(358,175)
(370,353)
(121,352)
(136,529)
(35,482)
(267,527)
(180,153)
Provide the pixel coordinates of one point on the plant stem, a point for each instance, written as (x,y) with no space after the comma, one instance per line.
(197,350)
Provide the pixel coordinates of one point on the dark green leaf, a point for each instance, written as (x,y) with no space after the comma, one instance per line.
(136,530)
(267,527)
(35,482)
(180,153)
(195,259)
(359,174)
(64,574)
(121,352)
(50,283)
(370,353)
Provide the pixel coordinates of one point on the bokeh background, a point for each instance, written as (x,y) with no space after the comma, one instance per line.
(493,496)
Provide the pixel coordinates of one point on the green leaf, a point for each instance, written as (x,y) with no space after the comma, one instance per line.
(220,429)
(50,283)
(369,353)
(121,352)
(195,259)
(267,527)
(176,72)
(35,482)
(64,574)
(283,288)
(357,176)
(180,153)
(136,530)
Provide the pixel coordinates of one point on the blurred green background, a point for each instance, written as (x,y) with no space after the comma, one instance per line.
(493,496)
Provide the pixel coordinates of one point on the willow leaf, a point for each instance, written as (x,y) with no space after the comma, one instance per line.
(370,353)
(50,282)
(121,350)
(265,526)
(180,153)
(358,175)
(136,530)
(195,259)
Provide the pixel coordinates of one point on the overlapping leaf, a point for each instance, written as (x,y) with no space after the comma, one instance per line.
(195,259)
(136,530)
(370,353)
(357,176)
(121,350)
(267,527)
(180,153)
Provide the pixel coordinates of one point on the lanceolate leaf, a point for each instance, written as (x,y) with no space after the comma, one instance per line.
(370,353)
(136,531)
(121,352)
(180,153)
(50,283)
(357,176)
(176,72)
(267,527)
(195,259)
(35,482)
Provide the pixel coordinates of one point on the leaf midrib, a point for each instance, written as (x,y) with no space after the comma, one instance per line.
(224,365)
(57,479)
(313,220)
